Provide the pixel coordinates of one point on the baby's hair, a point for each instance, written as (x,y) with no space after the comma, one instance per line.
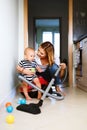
(28,49)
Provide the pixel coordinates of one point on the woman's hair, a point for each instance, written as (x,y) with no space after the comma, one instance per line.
(49,49)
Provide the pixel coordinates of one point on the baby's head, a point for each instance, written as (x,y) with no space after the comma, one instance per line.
(29,54)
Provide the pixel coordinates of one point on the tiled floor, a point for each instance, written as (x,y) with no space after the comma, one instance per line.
(67,114)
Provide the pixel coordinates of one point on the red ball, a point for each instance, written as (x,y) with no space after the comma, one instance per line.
(8,104)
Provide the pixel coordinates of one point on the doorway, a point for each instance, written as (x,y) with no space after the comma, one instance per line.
(47,30)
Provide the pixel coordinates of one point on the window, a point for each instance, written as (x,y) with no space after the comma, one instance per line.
(47,36)
(57,43)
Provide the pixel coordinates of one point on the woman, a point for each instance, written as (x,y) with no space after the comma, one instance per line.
(46,60)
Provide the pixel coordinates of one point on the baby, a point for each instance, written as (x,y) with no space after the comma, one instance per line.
(29,63)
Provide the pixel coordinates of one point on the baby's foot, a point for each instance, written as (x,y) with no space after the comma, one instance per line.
(28,98)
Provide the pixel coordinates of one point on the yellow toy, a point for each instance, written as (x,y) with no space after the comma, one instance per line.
(10,119)
(33,69)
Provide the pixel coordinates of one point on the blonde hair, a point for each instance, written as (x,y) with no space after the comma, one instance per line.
(27,50)
(49,49)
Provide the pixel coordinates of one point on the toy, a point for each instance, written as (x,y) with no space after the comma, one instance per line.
(8,104)
(22,101)
(10,119)
(19,100)
(33,69)
(9,109)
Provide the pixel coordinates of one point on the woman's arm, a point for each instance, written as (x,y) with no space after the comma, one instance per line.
(39,69)
(62,71)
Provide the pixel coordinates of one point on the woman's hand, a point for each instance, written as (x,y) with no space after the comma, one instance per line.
(62,71)
(63,66)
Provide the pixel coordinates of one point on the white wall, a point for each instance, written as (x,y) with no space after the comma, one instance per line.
(9,44)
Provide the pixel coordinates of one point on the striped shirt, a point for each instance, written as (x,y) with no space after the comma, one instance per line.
(27,64)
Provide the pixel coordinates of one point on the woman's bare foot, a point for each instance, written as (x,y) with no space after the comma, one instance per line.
(39,95)
(59,91)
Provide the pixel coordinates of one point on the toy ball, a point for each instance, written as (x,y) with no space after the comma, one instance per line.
(8,104)
(23,101)
(10,119)
(19,100)
(9,109)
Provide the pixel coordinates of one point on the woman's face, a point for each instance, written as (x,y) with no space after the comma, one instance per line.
(41,53)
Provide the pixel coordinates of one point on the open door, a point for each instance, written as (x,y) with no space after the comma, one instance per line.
(25,23)
(47,30)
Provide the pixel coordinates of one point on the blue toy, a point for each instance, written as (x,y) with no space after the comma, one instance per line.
(19,100)
(22,101)
(9,109)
